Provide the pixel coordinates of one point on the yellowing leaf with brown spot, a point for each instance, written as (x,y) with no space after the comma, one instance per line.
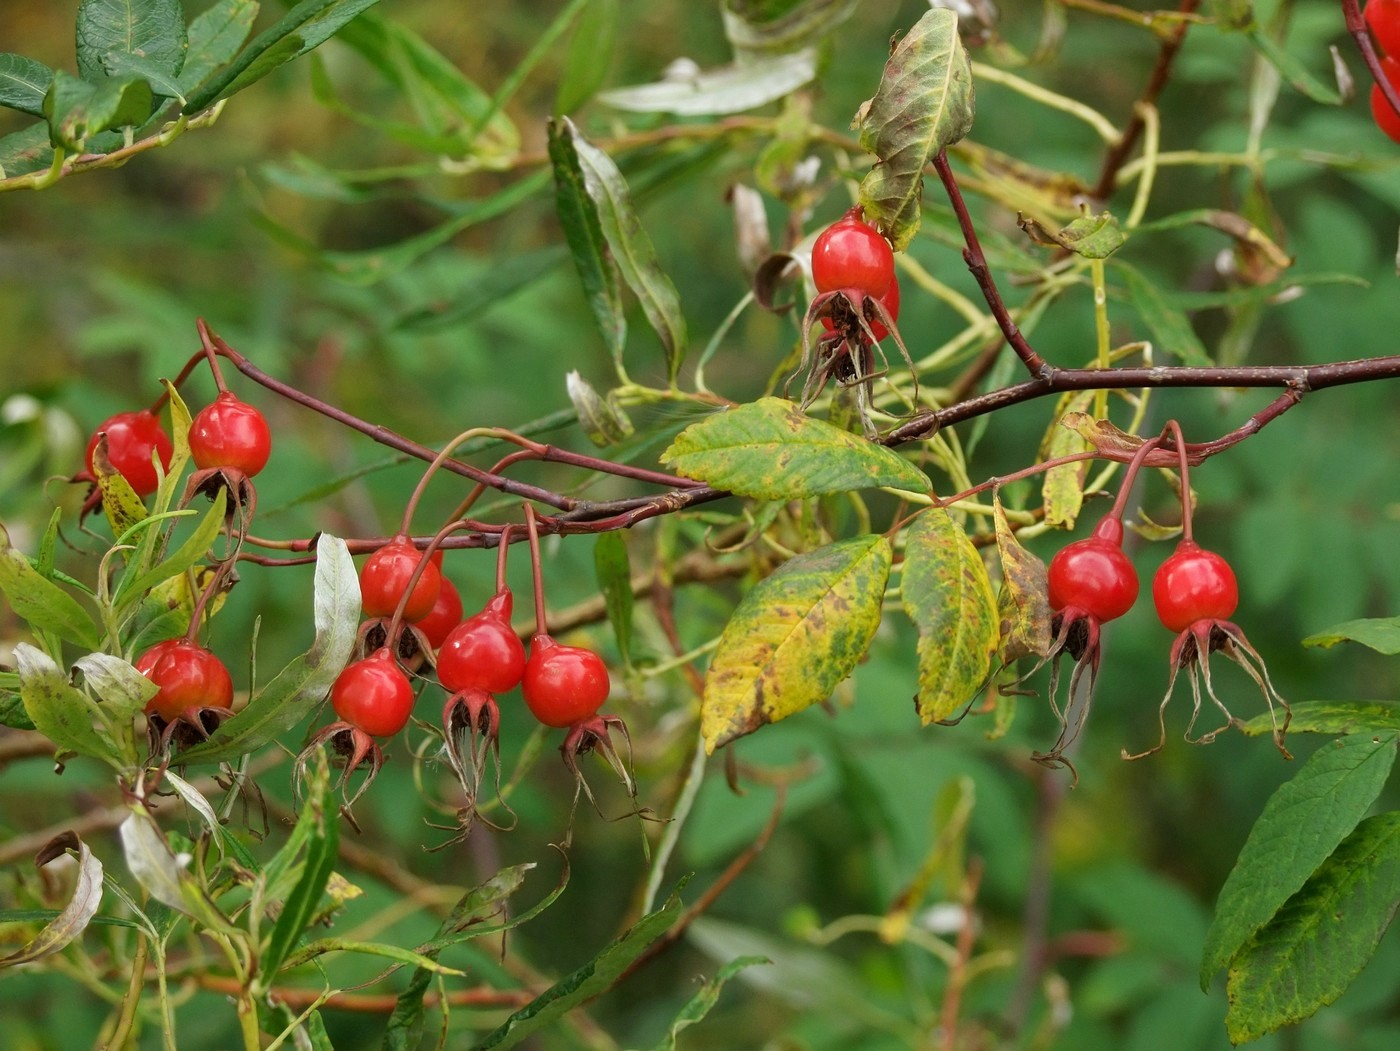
(1063,490)
(948,596)
(794,637)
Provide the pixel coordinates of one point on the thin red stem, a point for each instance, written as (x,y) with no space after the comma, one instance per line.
(1184,468)
(1130,476)
(1356,26)
(537,569)
(502,551)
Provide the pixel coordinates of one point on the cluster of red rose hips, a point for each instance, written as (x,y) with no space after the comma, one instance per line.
(1092,581)
(1383,18)
(414,614)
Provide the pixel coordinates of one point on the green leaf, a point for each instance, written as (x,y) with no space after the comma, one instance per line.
(193,550)
(26,151)
(69,924)
(304,682)
(323,946)
(12,713)
(505,277)
(123,66)
(716,92)
(320,830)
(794,636)
(77,110)
(948,596)
(590,980)
(590,54)
(583,229)
(1092,236)
(153,30)
(41,603)
(771,450)
(215,37)
(700,1004)
(755,30)
(1332,717)
(119,688)
(302,29)
(1063,488)
(1300,827)
(614,572)
(604,422)
(1292,69)
(1170,328)
(1381,634)
(164,876)
(23,83)
(404,1031)
(1321,939)
(227,840)
(923,105)
(57,710)
(630,246)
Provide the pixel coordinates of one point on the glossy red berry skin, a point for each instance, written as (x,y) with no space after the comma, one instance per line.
(1383,16)
(1093,575)
(1386,118)
(1193,585)
(563,685)
(384,578)
(852,254)
(445,615)
(890,301)
(189,677)
(230,433)
(374,695)
(131,438)
(483,652)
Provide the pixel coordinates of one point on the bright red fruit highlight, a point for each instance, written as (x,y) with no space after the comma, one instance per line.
(1093,575)
(1192,585)
(131,439)
(230,433)
(563,685)
(373,695)
(1386,118)
(189,677)
(384,578)
(445,615)
(852,254)
(483,652)
(1383,16)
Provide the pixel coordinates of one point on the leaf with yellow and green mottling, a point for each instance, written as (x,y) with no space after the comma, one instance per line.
(949,598)
(771,450)
(1024,604)
(1063,490)
(794,637)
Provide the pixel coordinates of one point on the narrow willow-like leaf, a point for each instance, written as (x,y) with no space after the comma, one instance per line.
(1063,488)
(1292,69)
(194,549)
(1092,236)
(588,981)
(40,602)
(1300,827)
(613,570)
(923,105)
(948,596)
(1381,634)
(151,29)
(700,1004)
(603,422)
(724,90)
(304,28)
(304,682)
(771,450)
(57,710)
(404,1031)
(578,214)
(795,636)
(214,38)
(321,838)
(118,687)
(590,54)
(1024,603)
(1170,328)
(1310,952)
(756,29)
(23,83)
(630,246)
(164,876)
(1332,718)
(70,923)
